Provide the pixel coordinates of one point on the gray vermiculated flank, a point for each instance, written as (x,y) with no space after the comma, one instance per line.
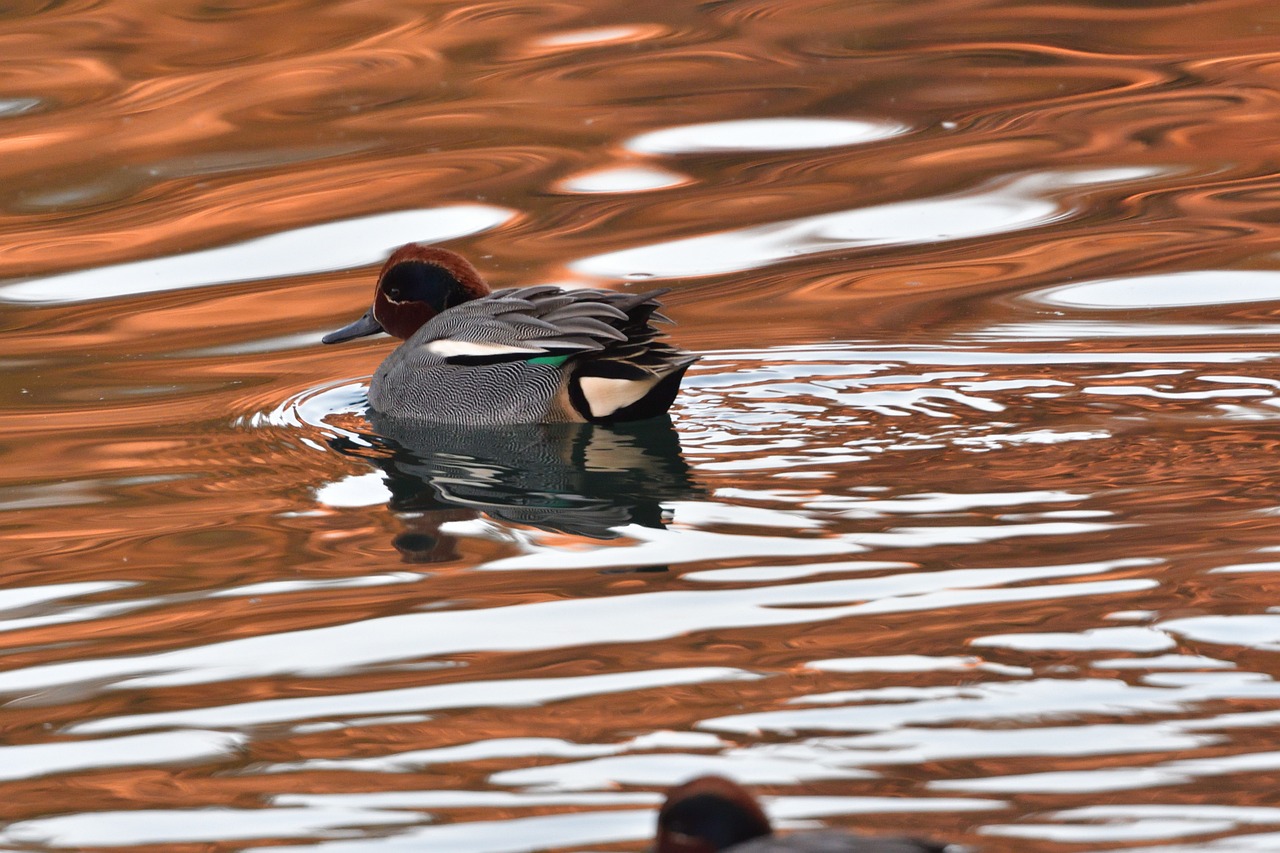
(424,384)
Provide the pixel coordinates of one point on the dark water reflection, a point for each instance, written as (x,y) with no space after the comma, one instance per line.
(966,521)
(576,479)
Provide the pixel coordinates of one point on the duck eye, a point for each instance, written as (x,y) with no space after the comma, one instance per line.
(415,281)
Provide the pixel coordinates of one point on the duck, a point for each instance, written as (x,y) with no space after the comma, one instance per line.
(539,354)
(711,813)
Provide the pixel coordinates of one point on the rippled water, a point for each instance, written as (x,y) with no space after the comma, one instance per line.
(965,524)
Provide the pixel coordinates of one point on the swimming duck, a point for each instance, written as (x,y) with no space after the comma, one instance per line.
(711,813)
(523,355)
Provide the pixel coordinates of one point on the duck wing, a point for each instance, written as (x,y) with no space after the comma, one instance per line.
(536,322)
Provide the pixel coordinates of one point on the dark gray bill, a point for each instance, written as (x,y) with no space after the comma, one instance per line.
(366,325)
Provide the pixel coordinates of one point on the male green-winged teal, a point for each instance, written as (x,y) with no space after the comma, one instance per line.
(710,814)
(523,355)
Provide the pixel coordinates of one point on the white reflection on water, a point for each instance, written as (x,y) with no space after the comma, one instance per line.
(665,768)
(939,502)
(1139,821)
(505,693)
(1043,698)
(1258,631)
(1013,205)
(1266,566)
(763,134)
(178,826)
(533,833)
(484,750)
(17,106)
(445,799)
(317,248)
(632,618)
(42,759)
(1092,639)
(622,179)
(833,355)
(916,663)
(595,36)
(355,490)
(1257,843)
(1119,779)
(1165,662)
(916,744)
(1166,290)
(22,597)
(668,547)
(1134,830)
(1070,330)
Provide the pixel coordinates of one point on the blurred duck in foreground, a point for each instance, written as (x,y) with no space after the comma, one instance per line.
(711,813)
(541,354)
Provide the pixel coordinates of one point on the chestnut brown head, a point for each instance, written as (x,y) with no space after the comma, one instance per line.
(415,284)
(708,814)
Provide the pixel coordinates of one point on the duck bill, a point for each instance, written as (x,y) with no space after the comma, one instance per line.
(366,325)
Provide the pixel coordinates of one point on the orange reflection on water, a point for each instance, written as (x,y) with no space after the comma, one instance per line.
(966,520)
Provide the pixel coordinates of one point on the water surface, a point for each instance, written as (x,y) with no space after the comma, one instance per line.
(966,522)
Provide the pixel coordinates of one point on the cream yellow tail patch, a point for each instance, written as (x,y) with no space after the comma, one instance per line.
(605,396)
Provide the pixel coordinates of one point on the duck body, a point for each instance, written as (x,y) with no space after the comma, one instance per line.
(541,354)
(834,842)
(711,814)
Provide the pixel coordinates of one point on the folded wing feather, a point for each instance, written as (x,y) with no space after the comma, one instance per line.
(536,321)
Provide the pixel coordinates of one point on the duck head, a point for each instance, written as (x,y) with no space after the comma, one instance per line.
(416,283)
(708,814)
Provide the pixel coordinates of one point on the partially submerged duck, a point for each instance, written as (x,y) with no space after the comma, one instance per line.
(539,354)
(711,813)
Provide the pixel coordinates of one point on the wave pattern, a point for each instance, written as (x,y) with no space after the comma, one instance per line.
(966,520)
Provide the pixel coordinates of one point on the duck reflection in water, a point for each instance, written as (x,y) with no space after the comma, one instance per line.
(573,478)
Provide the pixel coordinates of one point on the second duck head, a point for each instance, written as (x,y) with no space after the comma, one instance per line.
(707,814)
(712,814)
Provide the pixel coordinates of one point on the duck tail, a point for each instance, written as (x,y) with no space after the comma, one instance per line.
(622,386)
